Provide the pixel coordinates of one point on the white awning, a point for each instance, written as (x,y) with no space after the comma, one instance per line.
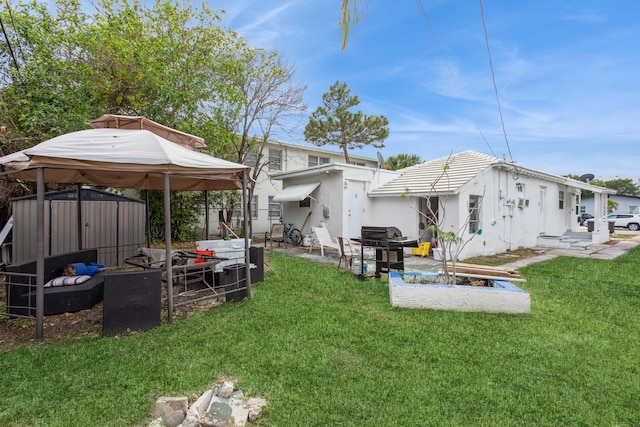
(295,193)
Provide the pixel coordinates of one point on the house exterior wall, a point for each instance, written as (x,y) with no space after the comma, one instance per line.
(333,202)
(293,158)
(626,204)
(513,212)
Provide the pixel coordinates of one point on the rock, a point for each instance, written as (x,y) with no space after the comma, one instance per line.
(202,403)
(224,389)
(157,423)
(254,406)
(172,410)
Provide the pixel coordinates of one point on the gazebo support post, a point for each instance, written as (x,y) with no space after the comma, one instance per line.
(206,215)
(167,243)
(79,214)
(245,227)
(40,254)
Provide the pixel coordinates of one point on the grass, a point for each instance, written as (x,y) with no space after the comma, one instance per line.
(326,349)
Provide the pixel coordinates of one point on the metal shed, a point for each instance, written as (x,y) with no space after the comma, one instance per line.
(113,224)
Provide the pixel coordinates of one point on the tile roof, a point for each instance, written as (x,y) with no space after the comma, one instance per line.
(440,176)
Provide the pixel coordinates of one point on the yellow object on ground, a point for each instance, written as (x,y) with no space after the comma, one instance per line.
(422,249)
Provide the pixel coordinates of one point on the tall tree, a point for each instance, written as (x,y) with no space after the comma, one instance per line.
(333,123)
(268,99)
(162,60)
(401,161)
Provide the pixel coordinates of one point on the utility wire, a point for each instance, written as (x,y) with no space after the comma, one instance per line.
(493,77)
(6,37)
(444,59)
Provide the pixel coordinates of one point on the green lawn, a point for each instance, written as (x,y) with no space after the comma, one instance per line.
(328,350)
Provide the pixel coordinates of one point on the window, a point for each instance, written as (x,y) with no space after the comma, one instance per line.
(357,163)
(520,187)
(254,206)
(275,160)
(561,199)
(634,210)
(306,203)
(316,160)
(251,159)
(275,208)
(474,214)
(237,209)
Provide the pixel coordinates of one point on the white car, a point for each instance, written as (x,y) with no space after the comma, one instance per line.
(630,221)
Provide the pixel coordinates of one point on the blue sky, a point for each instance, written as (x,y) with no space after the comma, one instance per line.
(567,75)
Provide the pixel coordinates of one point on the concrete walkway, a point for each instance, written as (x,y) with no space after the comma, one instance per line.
(427,264)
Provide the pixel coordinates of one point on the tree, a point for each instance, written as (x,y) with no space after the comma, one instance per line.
(402,161)
(623,186)
(163,61)
(333,123)
(268,99)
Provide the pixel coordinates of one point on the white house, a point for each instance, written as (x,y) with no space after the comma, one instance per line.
(284,158)
(493,204)
(334,194)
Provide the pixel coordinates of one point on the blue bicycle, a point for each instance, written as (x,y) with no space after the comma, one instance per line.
(292,234)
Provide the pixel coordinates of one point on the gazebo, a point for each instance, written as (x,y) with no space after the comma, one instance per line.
(121,158)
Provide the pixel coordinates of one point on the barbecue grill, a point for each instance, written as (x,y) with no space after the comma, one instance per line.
(389,244)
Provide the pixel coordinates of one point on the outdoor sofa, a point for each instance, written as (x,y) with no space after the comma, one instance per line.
(21,297)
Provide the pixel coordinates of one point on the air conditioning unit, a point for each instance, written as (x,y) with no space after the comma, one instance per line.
(521,203)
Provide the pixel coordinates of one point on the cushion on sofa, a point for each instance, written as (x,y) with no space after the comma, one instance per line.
(67,280)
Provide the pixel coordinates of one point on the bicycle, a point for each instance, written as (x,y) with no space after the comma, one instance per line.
(292,234)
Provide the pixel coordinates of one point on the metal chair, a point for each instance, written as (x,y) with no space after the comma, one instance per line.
(277,234)
(346,252)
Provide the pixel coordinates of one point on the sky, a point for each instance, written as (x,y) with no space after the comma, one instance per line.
(567,75)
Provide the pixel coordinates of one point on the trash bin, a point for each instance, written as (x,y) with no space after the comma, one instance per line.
(591,225)
(234,279)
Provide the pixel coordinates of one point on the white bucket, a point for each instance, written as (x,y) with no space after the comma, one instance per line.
(306,240)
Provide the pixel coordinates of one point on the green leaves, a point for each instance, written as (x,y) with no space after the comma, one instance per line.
(334,123)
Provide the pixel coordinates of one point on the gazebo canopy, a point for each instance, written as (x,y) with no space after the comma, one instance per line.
(124,159)
(140,122)
(121,158)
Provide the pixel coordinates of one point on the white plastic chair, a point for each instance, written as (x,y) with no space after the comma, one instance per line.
(324,239)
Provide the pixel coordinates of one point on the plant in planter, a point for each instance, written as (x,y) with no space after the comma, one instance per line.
(450,241)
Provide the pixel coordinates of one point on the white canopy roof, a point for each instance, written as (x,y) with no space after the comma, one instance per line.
(140,122)
(295,193)
(125,159)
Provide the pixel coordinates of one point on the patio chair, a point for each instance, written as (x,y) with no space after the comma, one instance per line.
(276,235)
(347,252)
(324,239)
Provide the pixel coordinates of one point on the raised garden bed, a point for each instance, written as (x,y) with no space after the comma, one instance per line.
(478,295)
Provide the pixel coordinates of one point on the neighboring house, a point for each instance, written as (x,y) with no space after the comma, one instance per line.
(283,158)
(626,204)
(333,194)
(503,205)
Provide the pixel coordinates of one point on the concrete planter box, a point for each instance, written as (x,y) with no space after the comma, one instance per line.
(503,297)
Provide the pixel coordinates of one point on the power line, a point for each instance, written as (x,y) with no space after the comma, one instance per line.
(444,59)
(6,37)
(493,77)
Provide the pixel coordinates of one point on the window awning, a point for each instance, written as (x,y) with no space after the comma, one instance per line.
(295,193)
